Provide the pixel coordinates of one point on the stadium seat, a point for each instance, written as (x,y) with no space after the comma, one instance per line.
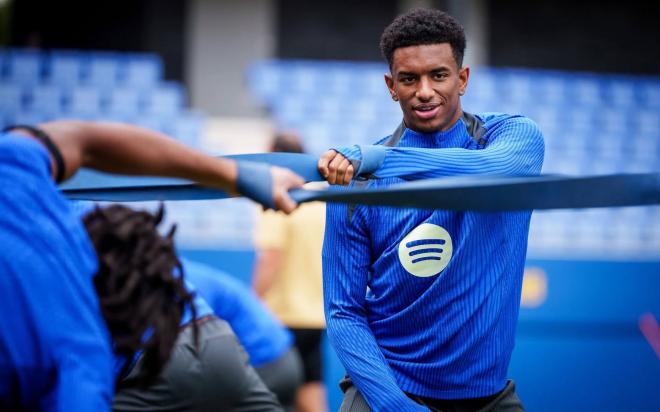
(65,68)
(23,67)
(168,99)
(46,99)
(104,70)
(124,101)
(11,98)
(85,102)
(188,128)
(143,71)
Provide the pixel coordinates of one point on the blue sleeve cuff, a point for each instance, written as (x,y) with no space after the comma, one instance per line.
(372,158)
(365,158)
(352,153)
(255,181)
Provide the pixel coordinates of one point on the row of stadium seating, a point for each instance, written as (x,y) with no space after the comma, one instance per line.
(67,68)
(37,86)
(365,80)
(593,124)
(165,99)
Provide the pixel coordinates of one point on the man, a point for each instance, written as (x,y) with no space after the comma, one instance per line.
(287,276)
(422,305)
(55,349)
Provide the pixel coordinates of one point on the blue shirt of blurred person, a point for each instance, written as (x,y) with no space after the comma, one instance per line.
(261,334)
(55,352)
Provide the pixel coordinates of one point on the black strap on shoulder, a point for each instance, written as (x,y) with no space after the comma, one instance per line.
(48,142)
(361,183)
(475,129)
(396,136)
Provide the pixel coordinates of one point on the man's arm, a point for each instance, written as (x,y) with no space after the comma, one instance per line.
(517,149)
(270,241)
(126,149)
(346,260)
(268,265)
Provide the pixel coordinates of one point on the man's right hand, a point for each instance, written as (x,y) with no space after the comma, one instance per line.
(283,181)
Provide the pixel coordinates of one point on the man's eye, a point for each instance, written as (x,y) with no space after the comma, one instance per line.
(407,79)
(440,76)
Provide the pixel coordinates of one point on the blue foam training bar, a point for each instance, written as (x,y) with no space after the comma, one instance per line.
(489,194)
(98,186)
(480,193)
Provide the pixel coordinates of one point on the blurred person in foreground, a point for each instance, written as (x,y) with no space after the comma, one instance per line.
(79,294)
(422,305)
(287,276)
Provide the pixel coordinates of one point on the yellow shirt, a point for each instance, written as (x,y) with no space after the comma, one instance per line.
(296,296)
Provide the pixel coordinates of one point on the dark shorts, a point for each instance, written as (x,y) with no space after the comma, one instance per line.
(504,401)
(308,343)
(217,377)
(283,376)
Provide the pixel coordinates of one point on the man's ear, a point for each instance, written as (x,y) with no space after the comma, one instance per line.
(463,77)
(389,81)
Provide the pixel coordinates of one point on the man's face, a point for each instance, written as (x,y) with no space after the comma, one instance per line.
(428,83)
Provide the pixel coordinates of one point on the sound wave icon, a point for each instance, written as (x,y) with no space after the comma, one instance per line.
(425,250)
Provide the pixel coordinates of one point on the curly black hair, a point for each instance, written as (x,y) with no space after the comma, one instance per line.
(421,27)
(139,283)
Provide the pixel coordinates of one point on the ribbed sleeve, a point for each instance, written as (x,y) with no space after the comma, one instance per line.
(516,148)
(346,261)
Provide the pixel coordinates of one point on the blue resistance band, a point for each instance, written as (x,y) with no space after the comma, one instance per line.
(480,193)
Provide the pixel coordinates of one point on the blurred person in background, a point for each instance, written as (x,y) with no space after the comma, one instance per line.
(207,368)
(267,342)
(287,276)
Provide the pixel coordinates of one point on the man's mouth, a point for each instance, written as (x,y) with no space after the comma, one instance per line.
(426,111)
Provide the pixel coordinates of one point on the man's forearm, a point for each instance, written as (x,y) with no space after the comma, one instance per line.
(268,265)
(125,149)
(365,364)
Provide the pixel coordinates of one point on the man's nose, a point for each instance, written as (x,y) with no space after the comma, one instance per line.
(425,90)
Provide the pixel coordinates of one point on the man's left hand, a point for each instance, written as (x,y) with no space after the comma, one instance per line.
(335,168)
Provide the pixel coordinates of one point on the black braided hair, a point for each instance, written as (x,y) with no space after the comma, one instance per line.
(422,27)
(139,283)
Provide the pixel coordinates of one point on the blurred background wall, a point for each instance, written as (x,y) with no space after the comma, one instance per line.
(223,75)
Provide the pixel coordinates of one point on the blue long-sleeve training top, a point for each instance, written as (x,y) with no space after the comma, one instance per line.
(426,301)
(55,350)
(264,338)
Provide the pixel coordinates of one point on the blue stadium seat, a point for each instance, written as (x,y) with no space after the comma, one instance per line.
(28,117)
(264,79)
(46,99)
(167,99)
(646,121)
(104,70)
(11,98)
(23,67)
(3,62)
(188,128)
(143,71)
(85,102)
(651,94)
(65,68)
(124,101)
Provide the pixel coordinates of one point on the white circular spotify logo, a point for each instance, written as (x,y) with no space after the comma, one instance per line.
(426,250)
